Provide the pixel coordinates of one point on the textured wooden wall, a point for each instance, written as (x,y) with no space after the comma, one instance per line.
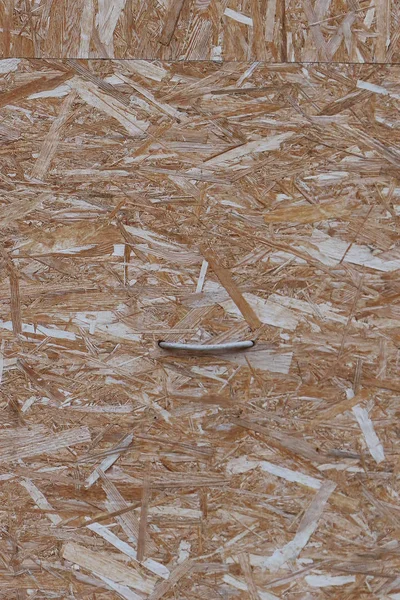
(271,30)
(199,185)
(192,201)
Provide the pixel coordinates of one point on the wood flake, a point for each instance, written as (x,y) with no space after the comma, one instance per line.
(374,444)
(106,566)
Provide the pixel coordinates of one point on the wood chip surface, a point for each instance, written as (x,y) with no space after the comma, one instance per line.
(244,30)
(199,202)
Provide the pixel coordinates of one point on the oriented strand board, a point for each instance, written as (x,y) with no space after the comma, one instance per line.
(351,31)
(270,30)
(199,202)
(148,29)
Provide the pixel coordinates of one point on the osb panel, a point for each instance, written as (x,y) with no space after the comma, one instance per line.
(165,29)
(196,202)
(343,31)
(272,30)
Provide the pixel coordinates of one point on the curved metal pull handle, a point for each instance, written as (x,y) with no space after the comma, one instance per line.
(206,347)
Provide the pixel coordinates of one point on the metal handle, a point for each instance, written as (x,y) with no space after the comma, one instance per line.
(206,347)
